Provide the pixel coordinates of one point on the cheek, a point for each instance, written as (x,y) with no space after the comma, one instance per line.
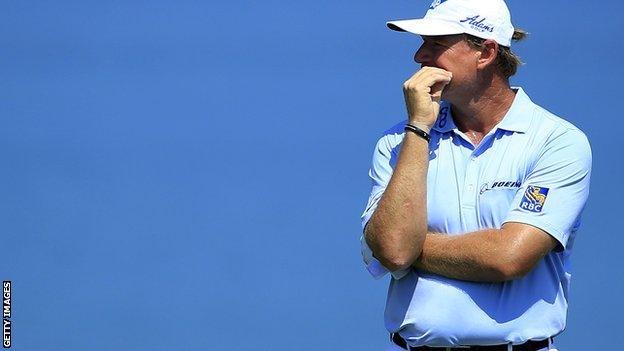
(460,82)
(459,78)
(463,71)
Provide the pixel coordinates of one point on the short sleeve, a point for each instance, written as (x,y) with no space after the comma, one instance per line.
(555,191)
(380,173)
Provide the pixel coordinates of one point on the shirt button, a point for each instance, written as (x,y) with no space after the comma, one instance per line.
(470,187)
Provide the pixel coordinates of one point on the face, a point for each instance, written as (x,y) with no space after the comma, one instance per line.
(451,53)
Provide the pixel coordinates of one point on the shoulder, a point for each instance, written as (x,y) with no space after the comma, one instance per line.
(395,130)
(392,137)
(554,131)
(556,140)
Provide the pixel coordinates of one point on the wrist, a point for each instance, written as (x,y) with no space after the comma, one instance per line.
(421,132)
(423,126)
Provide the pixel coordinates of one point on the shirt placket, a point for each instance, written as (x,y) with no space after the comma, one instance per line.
(468,198)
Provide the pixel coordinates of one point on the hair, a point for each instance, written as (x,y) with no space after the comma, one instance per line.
(506,60)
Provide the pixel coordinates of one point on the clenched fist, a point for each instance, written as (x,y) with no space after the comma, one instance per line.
(423,92)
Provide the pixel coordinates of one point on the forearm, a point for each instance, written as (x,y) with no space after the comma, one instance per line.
(481,256)
(397,229)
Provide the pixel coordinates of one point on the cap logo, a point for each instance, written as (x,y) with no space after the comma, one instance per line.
(477,24)
(435,4)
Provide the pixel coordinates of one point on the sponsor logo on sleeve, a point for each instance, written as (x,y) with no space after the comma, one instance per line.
(534,198)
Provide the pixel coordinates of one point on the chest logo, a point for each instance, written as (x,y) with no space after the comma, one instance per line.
(534,198)
(499,185)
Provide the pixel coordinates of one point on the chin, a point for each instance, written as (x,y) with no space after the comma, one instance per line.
(446,95)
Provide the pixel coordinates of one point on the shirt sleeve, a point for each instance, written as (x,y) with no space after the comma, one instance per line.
(555,191)
(380,174)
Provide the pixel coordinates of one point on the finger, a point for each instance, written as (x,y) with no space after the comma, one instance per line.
(425,72)
(427,80)
(428,70)
(437,89)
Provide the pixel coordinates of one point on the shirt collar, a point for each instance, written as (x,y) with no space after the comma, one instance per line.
(515,120)
(445,122)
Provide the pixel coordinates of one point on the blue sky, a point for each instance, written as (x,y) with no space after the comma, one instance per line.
(190,174)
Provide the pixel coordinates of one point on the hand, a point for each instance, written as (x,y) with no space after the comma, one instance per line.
(423,92)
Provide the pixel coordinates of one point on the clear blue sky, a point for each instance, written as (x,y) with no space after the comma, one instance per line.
(189,175)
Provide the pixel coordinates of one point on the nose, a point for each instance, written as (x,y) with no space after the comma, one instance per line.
(422,54)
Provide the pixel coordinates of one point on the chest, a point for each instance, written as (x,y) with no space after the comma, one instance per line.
(473,188)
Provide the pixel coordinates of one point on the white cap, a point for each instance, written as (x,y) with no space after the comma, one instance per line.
(487,19)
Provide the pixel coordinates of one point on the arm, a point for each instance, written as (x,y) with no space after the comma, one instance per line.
(563,170)
(491,255)
(396,231)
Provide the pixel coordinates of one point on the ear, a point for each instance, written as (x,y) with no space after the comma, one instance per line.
(488,54)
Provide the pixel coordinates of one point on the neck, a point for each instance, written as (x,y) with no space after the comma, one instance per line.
(483,108)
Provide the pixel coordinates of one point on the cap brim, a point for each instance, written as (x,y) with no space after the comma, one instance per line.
(426,26)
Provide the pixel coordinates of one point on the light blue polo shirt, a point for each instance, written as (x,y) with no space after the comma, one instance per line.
(533,168)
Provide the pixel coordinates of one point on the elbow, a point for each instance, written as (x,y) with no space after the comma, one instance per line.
(394,253)
(395,243)
(396,261)
(511,269)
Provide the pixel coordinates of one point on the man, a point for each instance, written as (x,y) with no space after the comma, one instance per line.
(477,197)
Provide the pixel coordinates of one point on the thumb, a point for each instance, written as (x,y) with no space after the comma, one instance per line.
(435,107)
